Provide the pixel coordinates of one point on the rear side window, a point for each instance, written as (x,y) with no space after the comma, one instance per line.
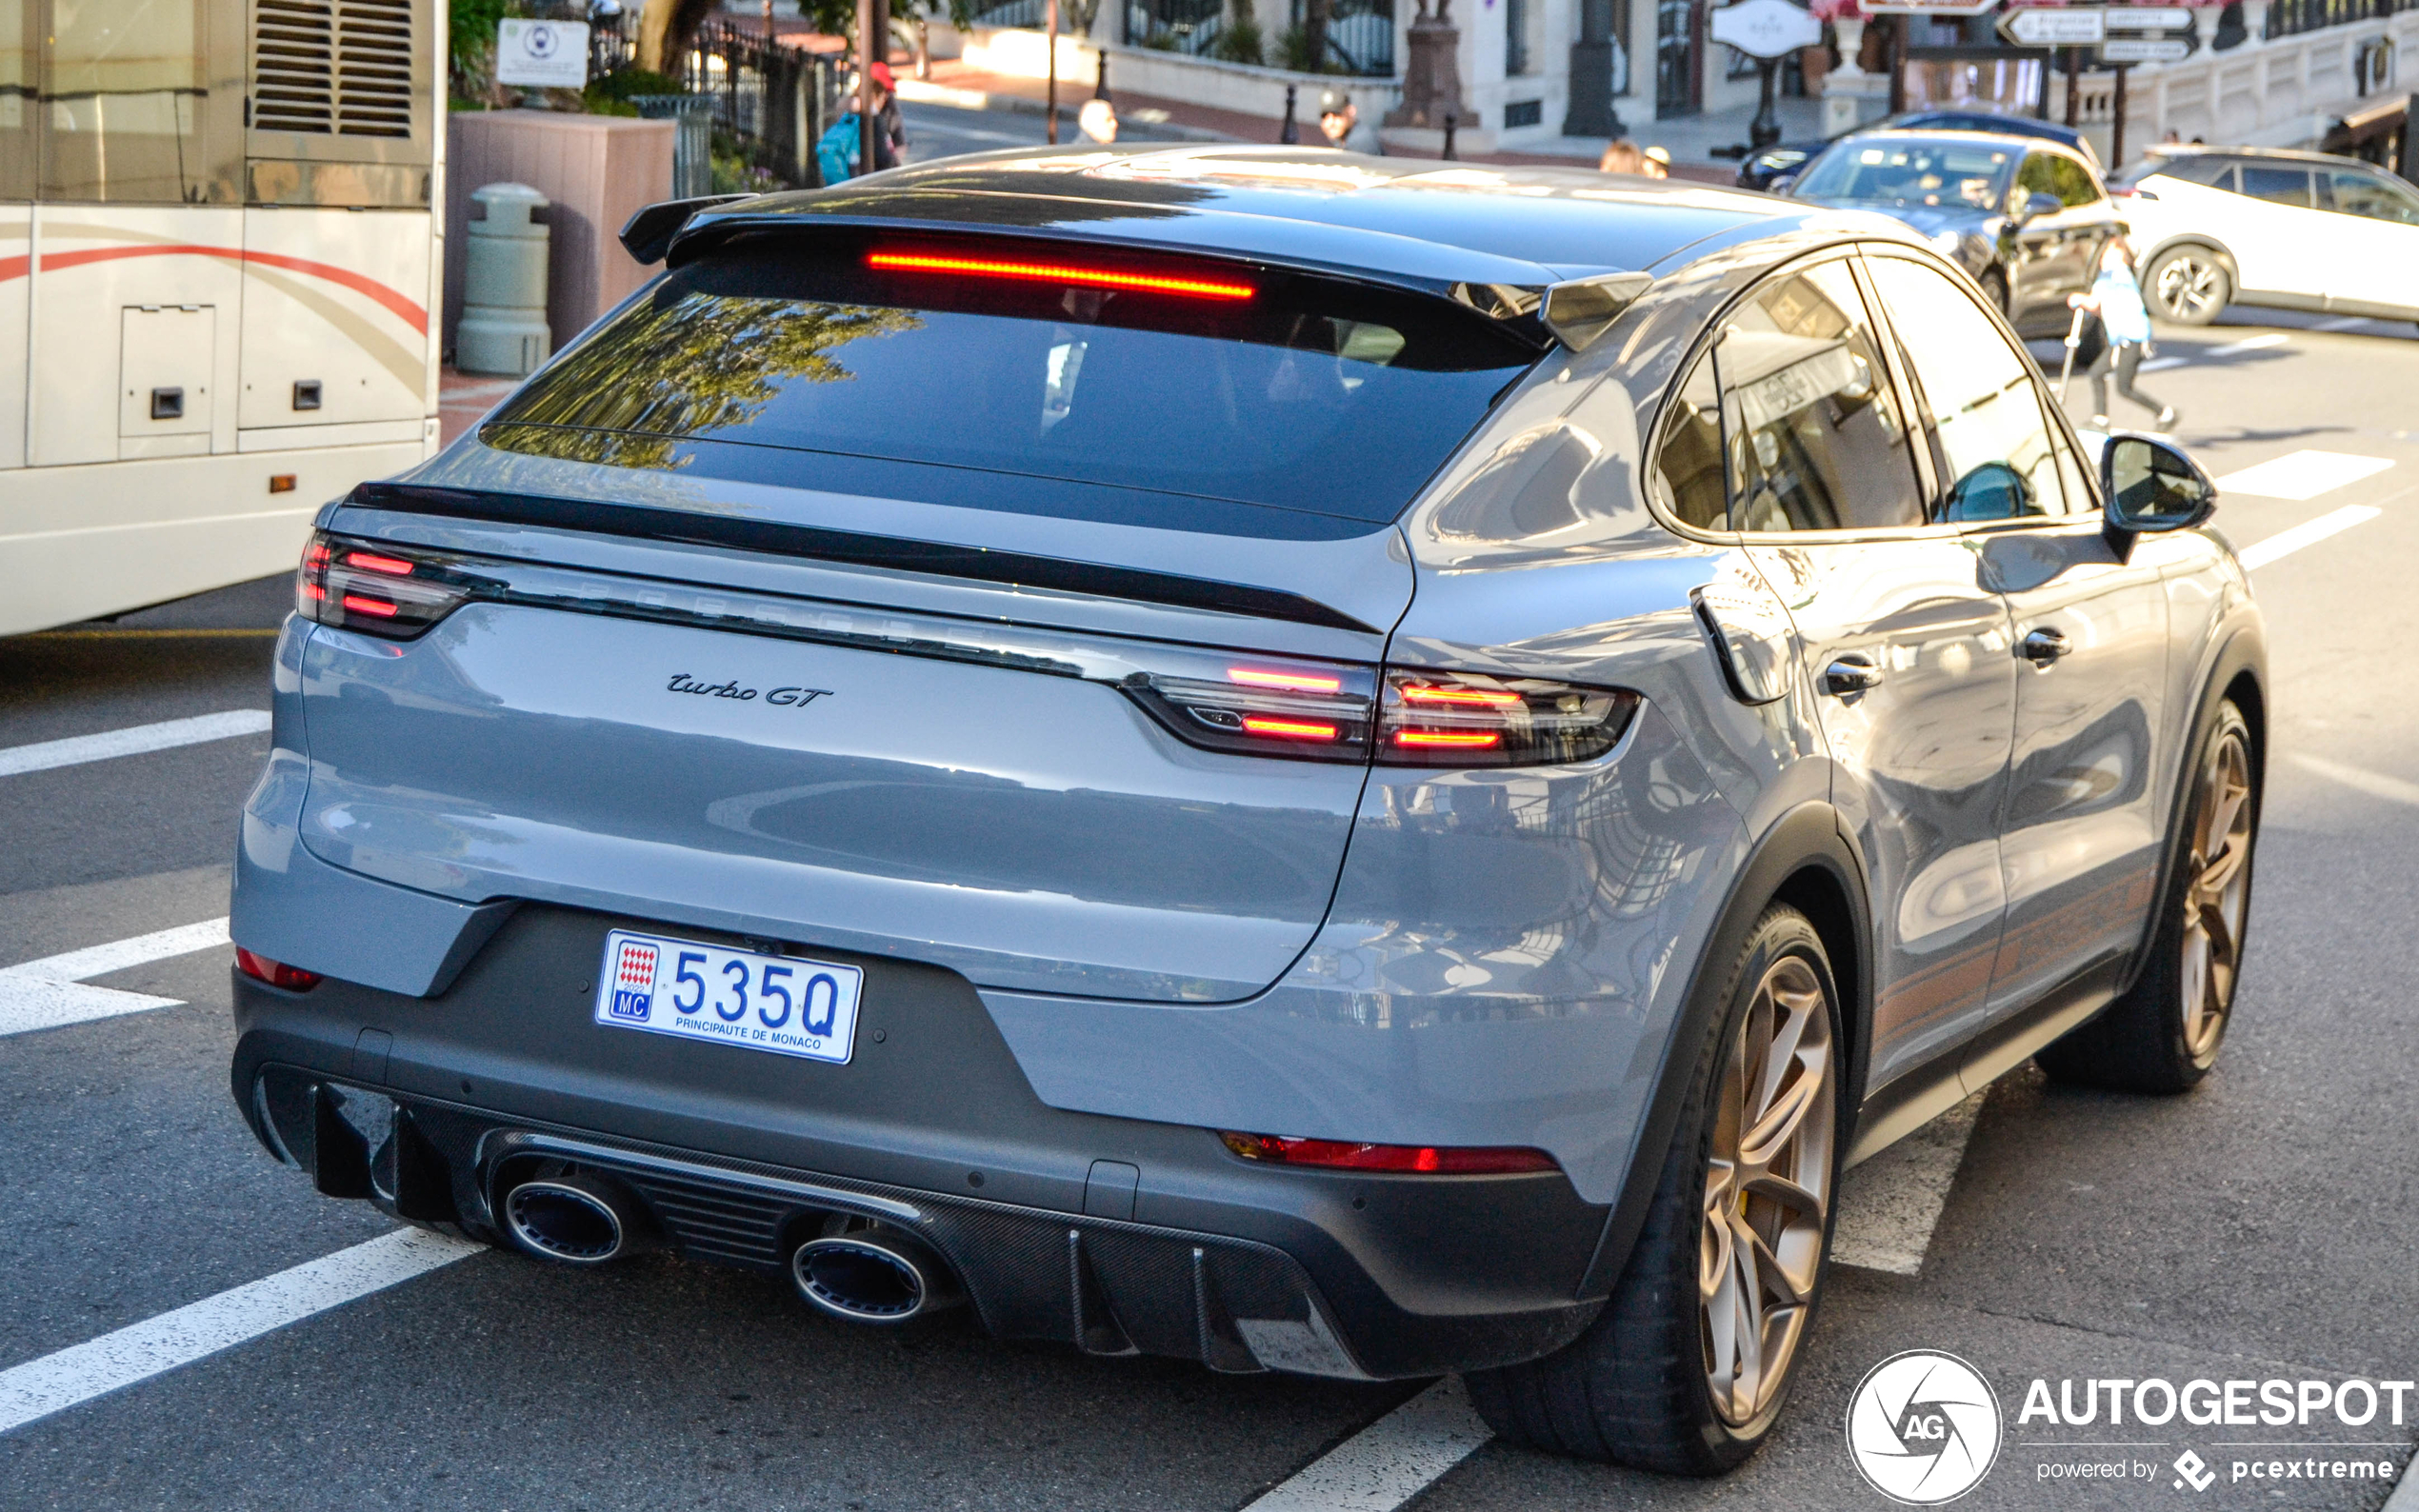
(907,374)
(2373,195)
(1688,467)
(2280,186)
(1817,442)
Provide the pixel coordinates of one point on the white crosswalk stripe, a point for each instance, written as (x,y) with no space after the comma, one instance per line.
(48,993)
(165,735)
(157,1345)
(1390,1461)
(2304,475)
(2285,542)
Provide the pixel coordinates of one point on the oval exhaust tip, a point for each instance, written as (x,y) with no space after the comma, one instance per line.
(562,1220)
(861,1280)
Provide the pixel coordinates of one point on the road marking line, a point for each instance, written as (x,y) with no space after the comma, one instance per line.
(156,1345)
(2309,532)
(1890,1205)
(2405,1493)
(2247,343)
(2341,323)
(146,635)
(165,735)
(2377,784)
(1390,1461)
(2302,475)
(44,995)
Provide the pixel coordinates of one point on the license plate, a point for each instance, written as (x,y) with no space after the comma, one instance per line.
(782,1003)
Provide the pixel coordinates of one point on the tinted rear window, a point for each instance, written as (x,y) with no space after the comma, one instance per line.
(1310,396)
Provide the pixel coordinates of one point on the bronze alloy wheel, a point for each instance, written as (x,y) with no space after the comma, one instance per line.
(1767,1188)
(2215,898)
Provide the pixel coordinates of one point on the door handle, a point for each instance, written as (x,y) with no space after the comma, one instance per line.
(2044,646)
(1851,672)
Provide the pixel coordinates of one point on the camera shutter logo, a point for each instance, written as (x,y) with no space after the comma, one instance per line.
(1923,1427)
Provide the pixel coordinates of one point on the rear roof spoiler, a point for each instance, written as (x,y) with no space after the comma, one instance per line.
(773,538)
(648,234)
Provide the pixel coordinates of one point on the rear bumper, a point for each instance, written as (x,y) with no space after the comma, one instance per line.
(1114,1235)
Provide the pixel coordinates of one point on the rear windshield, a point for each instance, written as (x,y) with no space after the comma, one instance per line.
(1193,408)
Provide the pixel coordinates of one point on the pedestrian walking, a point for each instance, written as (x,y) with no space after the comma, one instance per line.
(2116,299)
(1340,122)
(1622,156)
(889,132)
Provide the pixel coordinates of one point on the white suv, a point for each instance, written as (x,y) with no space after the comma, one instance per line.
(2290,230)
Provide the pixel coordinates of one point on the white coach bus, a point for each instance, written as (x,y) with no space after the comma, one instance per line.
(219,280)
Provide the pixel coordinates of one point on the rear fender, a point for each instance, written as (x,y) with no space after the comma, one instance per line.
(1808,843)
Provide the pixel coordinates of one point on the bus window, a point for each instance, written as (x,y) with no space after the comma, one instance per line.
(17,52)
(123,102)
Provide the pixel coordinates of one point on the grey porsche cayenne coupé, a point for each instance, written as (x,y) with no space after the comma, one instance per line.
(1353,766)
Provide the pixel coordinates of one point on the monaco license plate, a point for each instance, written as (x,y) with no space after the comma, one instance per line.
(782,1003)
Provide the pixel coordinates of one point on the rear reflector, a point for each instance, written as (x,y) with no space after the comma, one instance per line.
(277,973)
(1140,283)
(1426,1160)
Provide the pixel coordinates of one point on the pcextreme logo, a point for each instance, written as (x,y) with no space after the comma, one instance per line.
(1923,1427)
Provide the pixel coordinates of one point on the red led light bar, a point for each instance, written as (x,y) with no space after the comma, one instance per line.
(379,608)
(1481,697)
(1466,740)
(1426,1159)
(392,566)
(1288,729)
(1308,681)
(1058,273)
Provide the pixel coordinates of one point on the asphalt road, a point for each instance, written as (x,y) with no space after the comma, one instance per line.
(2261,1227)
(940,131)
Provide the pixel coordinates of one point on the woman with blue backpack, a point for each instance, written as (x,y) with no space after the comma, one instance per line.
(839,151)
(2125,323)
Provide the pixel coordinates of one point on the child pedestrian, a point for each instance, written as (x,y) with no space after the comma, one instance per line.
(2117,300)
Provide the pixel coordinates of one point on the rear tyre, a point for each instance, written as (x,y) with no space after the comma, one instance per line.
(1995,287)
(2189,286)
(2163,1036)
(1690,1364)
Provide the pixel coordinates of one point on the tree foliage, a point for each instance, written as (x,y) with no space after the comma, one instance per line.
(696,364)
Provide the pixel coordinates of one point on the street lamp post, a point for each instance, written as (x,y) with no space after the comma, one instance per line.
(1050,41)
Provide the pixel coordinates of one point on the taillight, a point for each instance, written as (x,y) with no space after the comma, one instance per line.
(388,591)
(1424,1160)
(1468,718)
(1266,708)
(277,973)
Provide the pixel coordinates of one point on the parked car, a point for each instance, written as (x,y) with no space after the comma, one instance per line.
(2285,230)
(1296,763)
(1768,168)
(2026,218)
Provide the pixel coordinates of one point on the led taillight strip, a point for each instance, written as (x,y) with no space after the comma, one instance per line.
(1058,273)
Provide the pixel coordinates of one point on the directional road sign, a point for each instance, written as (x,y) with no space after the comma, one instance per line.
(2053,26)
(2145,50)
(2146,18)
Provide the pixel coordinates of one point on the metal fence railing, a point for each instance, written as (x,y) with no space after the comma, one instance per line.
(1191,26)
(1360,36)
(2288,18)
(692,139)
(613,43)
(771,103)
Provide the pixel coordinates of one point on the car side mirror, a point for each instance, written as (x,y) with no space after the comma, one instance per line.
(2151,487)
(2037,206)
(1781,184)
(1993,491)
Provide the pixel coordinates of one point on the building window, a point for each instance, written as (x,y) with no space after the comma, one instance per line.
(1515,38)
(1524,113)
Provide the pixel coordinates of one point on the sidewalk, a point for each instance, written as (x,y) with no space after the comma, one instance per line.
(464,399)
